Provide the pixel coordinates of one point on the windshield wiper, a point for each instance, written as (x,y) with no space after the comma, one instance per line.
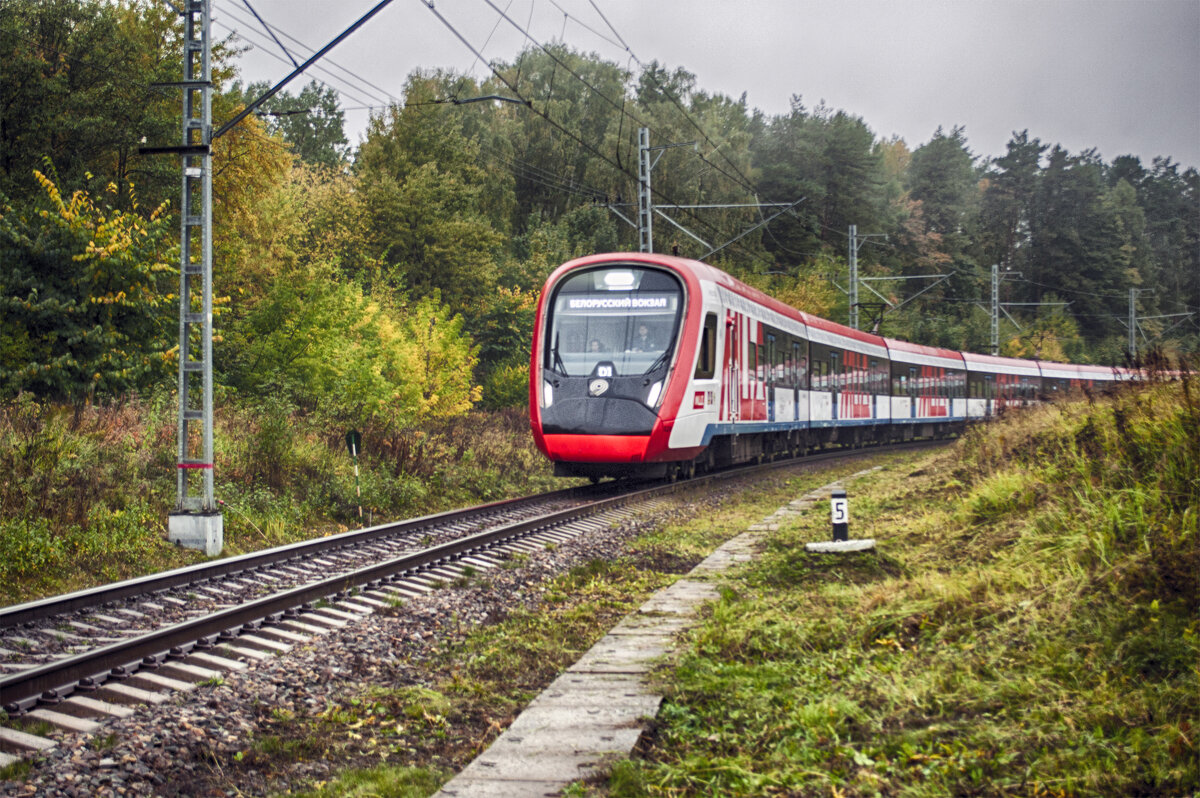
(558,365)
(660,362)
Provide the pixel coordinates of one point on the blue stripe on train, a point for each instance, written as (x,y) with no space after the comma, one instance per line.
(751,427)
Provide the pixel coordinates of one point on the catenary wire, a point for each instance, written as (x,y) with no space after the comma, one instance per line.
(354,75)
(711,228)
(344,92)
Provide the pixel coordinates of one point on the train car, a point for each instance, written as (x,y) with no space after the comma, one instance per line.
(848,397)
(651,365)
(996,383)
(928,390)
(1061,379)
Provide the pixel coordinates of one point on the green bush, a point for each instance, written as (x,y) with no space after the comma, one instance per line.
(507,386)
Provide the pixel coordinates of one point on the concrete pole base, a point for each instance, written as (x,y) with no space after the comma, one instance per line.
(835,546)
(202,531)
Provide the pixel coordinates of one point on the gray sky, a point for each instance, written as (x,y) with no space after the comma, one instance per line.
(1122,76)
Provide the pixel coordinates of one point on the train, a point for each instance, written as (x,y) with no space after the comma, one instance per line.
(657,366)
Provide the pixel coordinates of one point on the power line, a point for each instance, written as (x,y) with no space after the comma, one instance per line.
(741,180)
(558,61)
(390,98)
(319,54)
(585,26)
(267,28)
(344,92)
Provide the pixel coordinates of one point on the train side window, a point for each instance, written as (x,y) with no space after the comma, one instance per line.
(706,361)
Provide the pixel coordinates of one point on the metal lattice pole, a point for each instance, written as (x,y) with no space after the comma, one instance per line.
(195,266)
(645,224)
(1133,292)
(854,276)
(995,308)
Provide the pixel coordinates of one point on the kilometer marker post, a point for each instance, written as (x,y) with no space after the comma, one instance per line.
(353,444)
(839,516)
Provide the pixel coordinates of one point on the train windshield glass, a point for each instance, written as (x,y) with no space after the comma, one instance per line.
(622,315)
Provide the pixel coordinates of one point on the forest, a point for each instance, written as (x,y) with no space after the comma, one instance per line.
(393,280)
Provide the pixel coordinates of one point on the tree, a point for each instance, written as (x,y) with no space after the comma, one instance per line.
(943,178)
(1084,240)
(422,187)
(85,308)
(76,86)
(830,159)
(311,122)
(1010,189)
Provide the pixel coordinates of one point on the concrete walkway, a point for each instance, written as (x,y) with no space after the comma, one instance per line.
(595,712)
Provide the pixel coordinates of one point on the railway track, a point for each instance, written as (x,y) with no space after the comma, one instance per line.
(72,661)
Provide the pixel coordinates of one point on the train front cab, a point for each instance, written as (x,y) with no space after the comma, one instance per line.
(607,335)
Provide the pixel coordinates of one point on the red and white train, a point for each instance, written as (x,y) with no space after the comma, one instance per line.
(650,365)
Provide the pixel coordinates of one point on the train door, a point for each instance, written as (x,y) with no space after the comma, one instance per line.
(912,392)
(771,376)
(835,378)
(799,375)
(733,382)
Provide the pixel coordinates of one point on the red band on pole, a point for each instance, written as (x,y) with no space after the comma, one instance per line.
(193,465)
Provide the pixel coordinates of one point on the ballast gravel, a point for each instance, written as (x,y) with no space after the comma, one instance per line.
(183,746)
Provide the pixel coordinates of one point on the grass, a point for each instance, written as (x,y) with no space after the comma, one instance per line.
(1029,625)
(86,496)
(389,781)
(16,771)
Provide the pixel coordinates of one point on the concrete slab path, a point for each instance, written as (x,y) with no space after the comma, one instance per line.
(594,713)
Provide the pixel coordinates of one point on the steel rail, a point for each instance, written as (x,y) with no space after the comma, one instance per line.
(31,611)
(59,678)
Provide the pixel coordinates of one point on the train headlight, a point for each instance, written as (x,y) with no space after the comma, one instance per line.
(654,395)
(547,394)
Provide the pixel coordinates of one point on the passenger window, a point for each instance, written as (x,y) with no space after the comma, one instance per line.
(706,361)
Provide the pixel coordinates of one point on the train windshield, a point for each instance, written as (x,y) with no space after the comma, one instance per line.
(623,315)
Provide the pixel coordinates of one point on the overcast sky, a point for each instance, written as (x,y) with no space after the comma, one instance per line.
(1122,76)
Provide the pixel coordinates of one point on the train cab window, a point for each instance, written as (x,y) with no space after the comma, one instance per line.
(620,314)
(706,360)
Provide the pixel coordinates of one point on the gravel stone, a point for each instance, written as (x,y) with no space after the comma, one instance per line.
(180,747)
